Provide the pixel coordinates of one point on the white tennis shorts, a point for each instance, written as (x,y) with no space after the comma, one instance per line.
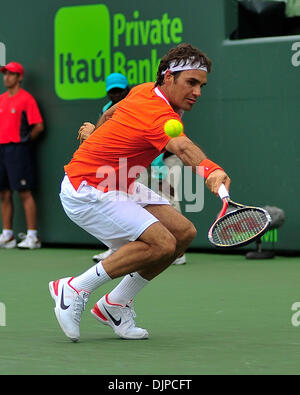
(114,218)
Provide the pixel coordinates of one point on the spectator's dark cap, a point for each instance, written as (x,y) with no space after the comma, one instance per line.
(13,67)
(116,80)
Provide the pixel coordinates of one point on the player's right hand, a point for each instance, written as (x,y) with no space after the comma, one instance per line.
(215,179)
(85,130)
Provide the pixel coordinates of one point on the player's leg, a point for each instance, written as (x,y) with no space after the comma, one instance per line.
(175,223)
(179,226)
(71,294)
(122,295)
(141,240)
(183,231)
(155,248)
(121,222)
(171,223)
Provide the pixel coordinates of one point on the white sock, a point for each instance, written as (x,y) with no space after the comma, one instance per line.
(91,279)
(7,233)
(127,289)
(32,233)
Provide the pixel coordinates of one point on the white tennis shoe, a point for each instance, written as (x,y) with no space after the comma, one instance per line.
(7,242)
(69,305)
(119,318)
(103,255)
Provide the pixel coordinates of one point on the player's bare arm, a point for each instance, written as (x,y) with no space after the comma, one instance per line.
(192,155)
(106,115)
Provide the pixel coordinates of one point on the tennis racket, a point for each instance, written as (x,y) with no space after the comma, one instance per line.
(237,224)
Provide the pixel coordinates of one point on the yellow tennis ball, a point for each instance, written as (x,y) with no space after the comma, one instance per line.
(173,128)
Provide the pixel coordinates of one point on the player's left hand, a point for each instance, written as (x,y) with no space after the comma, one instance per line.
(85,131)
(215,179)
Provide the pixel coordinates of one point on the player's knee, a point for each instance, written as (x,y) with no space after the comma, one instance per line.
(187,233)
(166,248)
(192,232)
(170,248)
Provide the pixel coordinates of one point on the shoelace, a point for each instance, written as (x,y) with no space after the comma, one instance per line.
(129,314)
(80,302)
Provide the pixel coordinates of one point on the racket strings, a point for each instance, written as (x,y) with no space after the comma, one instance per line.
(239,226)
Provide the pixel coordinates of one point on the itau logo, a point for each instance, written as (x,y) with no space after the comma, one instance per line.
(82,51)
(91,42)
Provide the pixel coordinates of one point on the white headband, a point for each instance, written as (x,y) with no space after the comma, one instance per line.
(185,65)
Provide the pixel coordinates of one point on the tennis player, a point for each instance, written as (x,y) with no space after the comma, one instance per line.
(99,193)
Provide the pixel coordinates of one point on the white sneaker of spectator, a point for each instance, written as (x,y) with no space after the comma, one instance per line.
(29,241)
(7,242)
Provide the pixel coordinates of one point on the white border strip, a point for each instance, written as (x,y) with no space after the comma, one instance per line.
(261,40)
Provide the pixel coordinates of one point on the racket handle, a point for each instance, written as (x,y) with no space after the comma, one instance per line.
(223,193)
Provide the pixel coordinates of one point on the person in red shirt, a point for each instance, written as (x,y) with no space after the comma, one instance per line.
(20,124)
(101,195)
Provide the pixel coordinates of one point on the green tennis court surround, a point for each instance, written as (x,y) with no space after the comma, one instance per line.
(218,314)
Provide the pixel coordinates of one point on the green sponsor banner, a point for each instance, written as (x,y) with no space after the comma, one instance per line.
(271,236)
(82,51)
(91,42)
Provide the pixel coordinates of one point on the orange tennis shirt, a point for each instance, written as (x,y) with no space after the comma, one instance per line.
(113,156)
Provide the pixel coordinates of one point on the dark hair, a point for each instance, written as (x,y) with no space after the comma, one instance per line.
(122,93)
(183,52)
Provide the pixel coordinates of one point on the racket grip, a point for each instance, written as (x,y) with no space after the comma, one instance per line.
(223,193)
